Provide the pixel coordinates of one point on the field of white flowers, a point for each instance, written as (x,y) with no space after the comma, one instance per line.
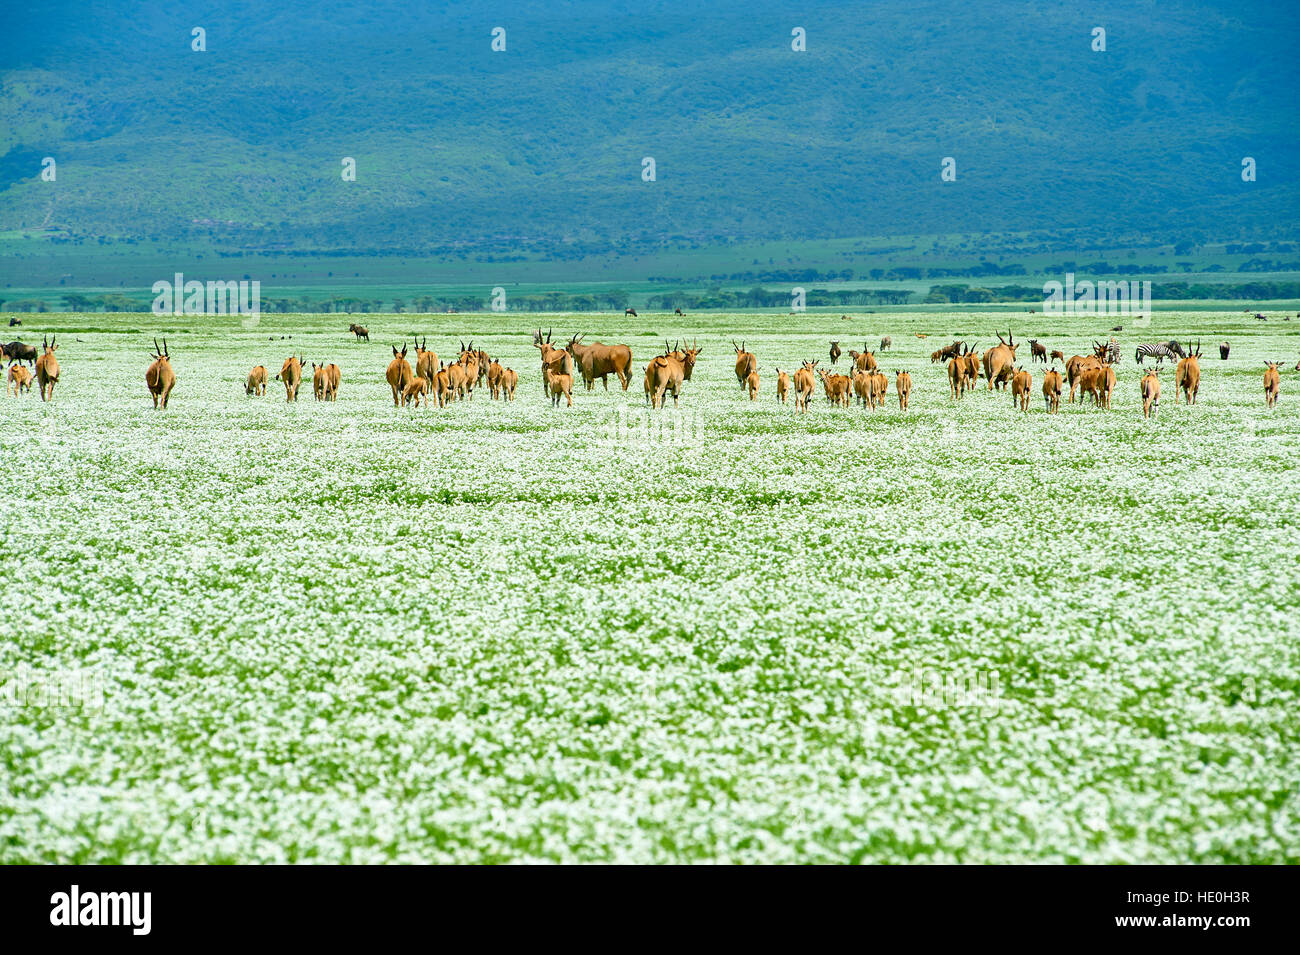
(248,631)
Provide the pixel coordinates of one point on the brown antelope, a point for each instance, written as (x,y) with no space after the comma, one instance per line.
(20,379)
(956,377)
(746,363)
(1272,383)
(803,385)
(509,378)
(782,386)
(553,358)
(335,375)
(999,361)
(863,390)
(1076,366)
(837,388)
(1037,352)
(903,385)
(835,352)
(1021,384)
(457,380)
(601,361)
(864,360)
(291,375)
(561,384)
(667,372)
(753,386)
(1090,383)
(415,388)
(47,369)
(1150,388)
(1052,390)
(256,384)
(319,381)
(441,386)
(159,376)
(1107,385)
(880,386)
(1297,366)
(494,373)
(426,361)
(1058,354)
(1187,376)
(469,359)
(399,374)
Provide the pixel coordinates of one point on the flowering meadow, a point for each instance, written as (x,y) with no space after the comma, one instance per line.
(243,630)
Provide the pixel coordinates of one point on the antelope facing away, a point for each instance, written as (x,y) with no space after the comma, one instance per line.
(753,386)
(1150,386)
(1000,360)
(1052,390)
(1187,376)
(782,386)
(746,363)
(426,361)
(399,374)
(903,385)
(1021,384)
(159,377)
(47,369)
(20,379)
(291,375)
(1272,383)
(803,385)
(256,384)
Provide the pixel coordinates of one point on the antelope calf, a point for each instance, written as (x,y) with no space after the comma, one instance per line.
(159,377)
(1150,388)
(903,385)
(1037,352)
(746,363)
(1272,383)
(47,369)
(561,385)
(862,389)
(1107,385)
(956,377)
(457,382)
(494,373)
(879,386)
(415,388)
(1052,390)
(1058,355)
(256,384)
(753,385)
(509,378)
(291,375)
(1021,384)
(319,380)
(441,387)
(782,386)
(20,379)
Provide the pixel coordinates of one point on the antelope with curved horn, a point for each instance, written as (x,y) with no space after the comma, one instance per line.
(159,377)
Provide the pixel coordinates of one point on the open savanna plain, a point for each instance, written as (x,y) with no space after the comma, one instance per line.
(243,630)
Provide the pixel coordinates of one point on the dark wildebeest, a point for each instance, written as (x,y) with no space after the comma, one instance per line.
(1223,350)
(630,311)
(17,351)
(360,331)
(886,343)
(15,321)
(1037,352)
(835,352)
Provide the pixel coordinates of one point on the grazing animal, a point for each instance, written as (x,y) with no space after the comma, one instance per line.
(1037,352)
(999,361)
(1076,366)
(753,386)
(1052,390)
(561,384)
(746,363)
(1224,348)
(1150,389)
(15,321)
(553,358)
(803,385)
(863,390)
(457,380)
(47,369)
(956,377)
(20,379)
(1272,383)
(333,375)
(509,378)
(494,373)
(398,374)
(1107,384)
(291,375)
(667,372)
(1157,350)
(441,387)
(1021,384)
(1187,377)
(972,359)
(864,360)
(1058,355)
(426,361)
(630,311)
(159,376)
(835,352)
(601,361)
(782,386)
(470,360)
(677,311)
(416,388)
(17,351)
(886,343)
(256,384)
(1090,383)
(360,331)
(1176,348)
(318,380)
(903,385)
(837,388)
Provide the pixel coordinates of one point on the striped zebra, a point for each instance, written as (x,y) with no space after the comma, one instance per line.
(1157,350)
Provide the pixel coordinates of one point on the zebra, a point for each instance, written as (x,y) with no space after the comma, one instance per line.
(1157,350)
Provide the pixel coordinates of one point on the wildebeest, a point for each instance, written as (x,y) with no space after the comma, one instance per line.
(835,352)
(1224,348)
(256,383)
(1021,384)
(15,321)
(360,331)
(1052,390)
(746,362)
(1058,355)
(291,375)
(1187,377)
(17,351)
(630,311)
(20,379)
(903,385)
(47,369)
(600,361)
(677,311)
(1037,352)
(886,343)
(1150,388)
(159,377)
(1272,383)
(999,361)
(398,374)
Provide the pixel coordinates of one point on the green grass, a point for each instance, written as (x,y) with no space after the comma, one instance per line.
(506,632)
